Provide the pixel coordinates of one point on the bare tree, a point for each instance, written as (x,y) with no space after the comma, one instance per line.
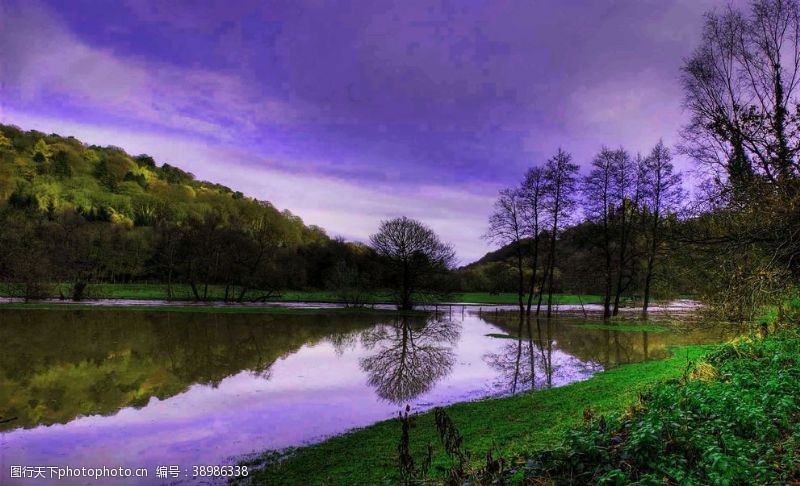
(560,186)
(414,257)
(598,191)
(663,193)
(506,228)
(741,90)
(628,187)
(534,220)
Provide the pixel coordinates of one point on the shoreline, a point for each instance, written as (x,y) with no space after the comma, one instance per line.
(503,425)
(678,307)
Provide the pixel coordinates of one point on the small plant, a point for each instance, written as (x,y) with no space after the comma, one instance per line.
(409,471)
(461,472)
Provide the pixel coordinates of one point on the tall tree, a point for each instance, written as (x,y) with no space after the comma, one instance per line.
(628,185)
(663,193)
(414,257)
(534,220)
(506,228)
(598,191)
(561,180)
(741,88)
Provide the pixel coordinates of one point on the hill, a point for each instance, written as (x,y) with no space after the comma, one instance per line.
(85,214)
(578,268)
(56,174)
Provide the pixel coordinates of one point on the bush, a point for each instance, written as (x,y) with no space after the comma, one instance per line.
(731,420)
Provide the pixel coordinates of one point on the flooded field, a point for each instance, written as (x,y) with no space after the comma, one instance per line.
(147,389)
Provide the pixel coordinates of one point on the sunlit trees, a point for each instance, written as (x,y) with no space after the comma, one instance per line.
(121,218)
(414,258)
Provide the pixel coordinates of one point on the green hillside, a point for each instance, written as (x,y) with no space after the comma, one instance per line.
(55,174)
(74,215)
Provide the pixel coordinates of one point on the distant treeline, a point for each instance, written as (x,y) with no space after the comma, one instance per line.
(73,215)
(83,214)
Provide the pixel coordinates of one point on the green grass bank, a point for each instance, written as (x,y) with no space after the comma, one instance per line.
(735,419)
(211,309)
(155,291)
(512,427)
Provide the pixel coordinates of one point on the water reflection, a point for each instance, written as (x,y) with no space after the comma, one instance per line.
(530,359)
(407,358)
(56,366)
(134,389)
(522,360)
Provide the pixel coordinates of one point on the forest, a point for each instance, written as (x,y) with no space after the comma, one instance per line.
(82,215)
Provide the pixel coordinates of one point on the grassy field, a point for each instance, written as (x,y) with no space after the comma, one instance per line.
(208,309)
(511,427)
(511,298)
(217,292)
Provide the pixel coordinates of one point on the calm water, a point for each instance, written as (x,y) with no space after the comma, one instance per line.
(139,389)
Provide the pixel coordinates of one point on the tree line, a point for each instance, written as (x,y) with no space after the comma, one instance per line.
(75,215)
(735,243)
(625,203)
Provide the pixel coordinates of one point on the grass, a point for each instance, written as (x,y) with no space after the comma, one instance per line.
(732,420)
(498,335)
(151,291)
(512,299)
(208,309)
(511,427)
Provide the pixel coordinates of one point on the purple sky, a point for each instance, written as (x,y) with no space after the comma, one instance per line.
(347,113)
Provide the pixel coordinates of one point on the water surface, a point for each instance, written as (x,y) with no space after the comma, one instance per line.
(146,389)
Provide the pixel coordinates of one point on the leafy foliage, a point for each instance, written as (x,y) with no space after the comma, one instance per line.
(730,420)
(83,214)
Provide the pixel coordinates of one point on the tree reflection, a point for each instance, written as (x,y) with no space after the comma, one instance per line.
(525,363)
(61,364)
(410,357)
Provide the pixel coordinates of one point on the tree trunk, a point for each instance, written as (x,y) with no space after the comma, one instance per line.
(623,249)
(534,268)
(651,259)
(521,274)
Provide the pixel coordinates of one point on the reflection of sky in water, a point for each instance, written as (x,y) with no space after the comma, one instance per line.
(319,390)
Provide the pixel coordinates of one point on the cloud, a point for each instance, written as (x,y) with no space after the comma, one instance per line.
(45,64)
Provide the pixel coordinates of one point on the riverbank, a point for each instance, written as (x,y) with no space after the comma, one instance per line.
(732,420)
(510,427)
(182,292)
(207,308)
